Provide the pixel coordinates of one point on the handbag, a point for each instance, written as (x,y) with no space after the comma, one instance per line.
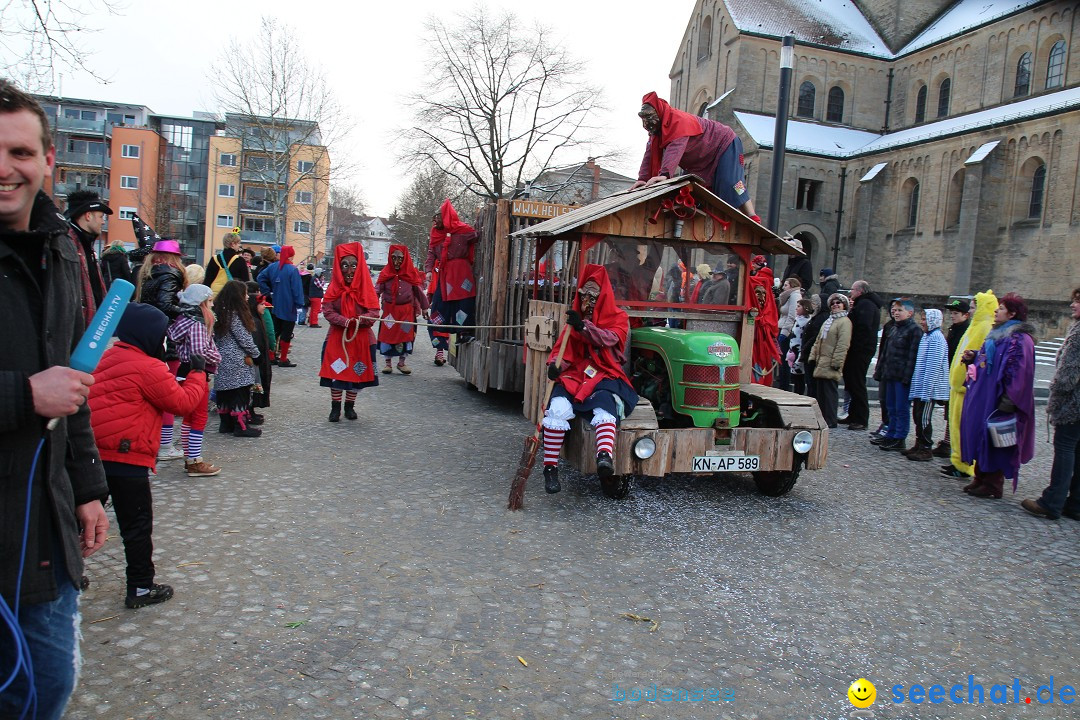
(1002,431)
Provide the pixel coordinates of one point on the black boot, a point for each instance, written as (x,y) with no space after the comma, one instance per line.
(228,423)
(243,430)
(605,466)
(335,411)
(350,412)
(551,479)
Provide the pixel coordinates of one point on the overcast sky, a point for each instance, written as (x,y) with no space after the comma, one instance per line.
(158,54)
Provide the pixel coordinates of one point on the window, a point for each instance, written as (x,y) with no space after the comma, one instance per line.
(954,200)
(114,118)
(129,181)
(807,96)
(226,190)
(1023,76)
(257,163)
(225,221)
(834,112)
(301,226)
(1038,184)
(304,166)
(126,213)
(920,105)
(86,147)
(943,97)
(91,115)
(1055,66)
(130,151)
(258,225)
(303,197)
(809,194)
(913,205)
(227,159)
(71,113)
(704,49)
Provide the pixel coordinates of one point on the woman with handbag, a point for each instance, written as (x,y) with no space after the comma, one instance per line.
(1001,385)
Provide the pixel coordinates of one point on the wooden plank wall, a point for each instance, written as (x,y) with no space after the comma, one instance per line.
(536,366)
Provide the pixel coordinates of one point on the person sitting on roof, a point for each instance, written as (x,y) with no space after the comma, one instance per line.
(706,148)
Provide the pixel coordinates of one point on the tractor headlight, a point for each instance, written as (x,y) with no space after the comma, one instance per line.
(644,448)
(802,442)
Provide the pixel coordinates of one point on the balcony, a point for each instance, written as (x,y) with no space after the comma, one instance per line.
(254,236)
(263,177)
(63,157)
(84,127)
(65,189)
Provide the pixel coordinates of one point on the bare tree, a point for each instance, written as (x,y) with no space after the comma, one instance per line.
(288,118)
(500,103)
(411,218)
(41,38)
(346,214)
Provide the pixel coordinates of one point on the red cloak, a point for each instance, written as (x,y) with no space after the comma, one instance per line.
(348,358)
(674,124)
(394,331)
(585,364)
(766,325)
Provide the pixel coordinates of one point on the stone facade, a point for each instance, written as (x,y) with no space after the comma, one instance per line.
(1008,221)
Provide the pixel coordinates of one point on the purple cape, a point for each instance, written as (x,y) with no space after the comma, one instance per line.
(1012,373)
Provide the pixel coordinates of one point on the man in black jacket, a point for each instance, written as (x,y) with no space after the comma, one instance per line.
(865,319)
(799,266)
(41,297)
(960,310)
(86,214)
(897,367)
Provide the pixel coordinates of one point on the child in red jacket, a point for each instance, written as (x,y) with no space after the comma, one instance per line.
(133,387)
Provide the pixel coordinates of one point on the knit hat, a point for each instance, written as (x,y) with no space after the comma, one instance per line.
(194,295)
(758,260)
(826,272)
(841,297)
(704,271)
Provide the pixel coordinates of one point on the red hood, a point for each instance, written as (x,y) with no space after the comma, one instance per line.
(361,294)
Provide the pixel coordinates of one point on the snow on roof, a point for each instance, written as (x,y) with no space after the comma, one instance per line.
(834,23)
(806,136)
(841,142)
(1060,101)
(965,15)
(979,155)
(873,173)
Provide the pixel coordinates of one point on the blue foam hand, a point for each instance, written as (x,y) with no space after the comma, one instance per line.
(88,352)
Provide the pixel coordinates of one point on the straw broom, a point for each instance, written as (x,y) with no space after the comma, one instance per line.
(532,443)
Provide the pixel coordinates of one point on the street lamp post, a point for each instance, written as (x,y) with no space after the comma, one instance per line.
(776,184)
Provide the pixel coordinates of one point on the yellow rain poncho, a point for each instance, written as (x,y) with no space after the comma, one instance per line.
(982,320)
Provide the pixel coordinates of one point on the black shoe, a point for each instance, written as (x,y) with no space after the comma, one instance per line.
(350,412)
(895,444)
(1071,514)
(335,411)
(955,473)
(84,583)
(157,594)
(856,426)
(255,419)
(605,467)
(247,432)
(551,479)
(877,439)
(286,363)
(228,423)
(943,450)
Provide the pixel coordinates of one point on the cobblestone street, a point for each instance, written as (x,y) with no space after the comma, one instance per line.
(370,569)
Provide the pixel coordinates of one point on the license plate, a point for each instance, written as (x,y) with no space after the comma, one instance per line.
(727,463)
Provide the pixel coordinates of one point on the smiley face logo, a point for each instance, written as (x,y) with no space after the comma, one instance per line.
(862,693)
